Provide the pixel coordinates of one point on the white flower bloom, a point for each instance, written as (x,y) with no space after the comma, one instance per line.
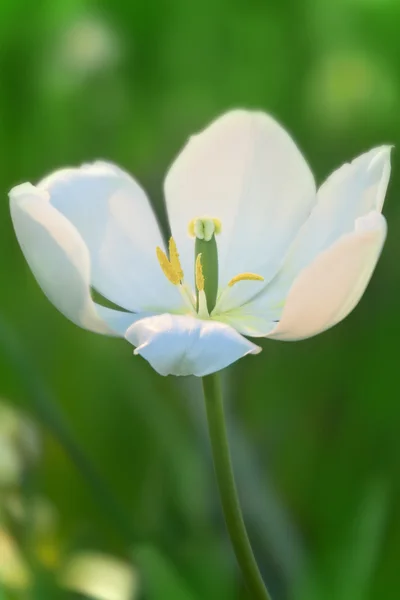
(262,253)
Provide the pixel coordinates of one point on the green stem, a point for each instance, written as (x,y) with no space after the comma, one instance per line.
(227,488)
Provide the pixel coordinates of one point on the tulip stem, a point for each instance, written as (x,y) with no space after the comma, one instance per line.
(227,489)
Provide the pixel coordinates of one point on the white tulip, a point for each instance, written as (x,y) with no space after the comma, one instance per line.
(278,258)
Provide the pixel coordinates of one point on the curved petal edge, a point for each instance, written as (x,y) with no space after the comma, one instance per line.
(326,291)
(59,260)
(184,345)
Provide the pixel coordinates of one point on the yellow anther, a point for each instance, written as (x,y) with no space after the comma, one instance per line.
(174,258)
(218,226)
(204,228)
(245,277)
(199,274)
(191,231)
(167,268)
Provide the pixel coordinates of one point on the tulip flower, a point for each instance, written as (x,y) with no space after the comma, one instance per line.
(255,251)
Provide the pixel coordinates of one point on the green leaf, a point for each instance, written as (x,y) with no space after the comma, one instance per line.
(161,580)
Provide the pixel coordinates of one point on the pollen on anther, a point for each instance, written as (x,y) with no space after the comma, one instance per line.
(245,277)
(174,258)
(191,230)
(199,274)
(218,226)
(167,268)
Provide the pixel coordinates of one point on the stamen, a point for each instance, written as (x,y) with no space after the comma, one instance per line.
(174,258)
(245,277)
(167,268)
(199,274)
(202,309)
(218,226)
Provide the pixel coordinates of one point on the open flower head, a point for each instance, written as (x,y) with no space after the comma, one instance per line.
(256,249)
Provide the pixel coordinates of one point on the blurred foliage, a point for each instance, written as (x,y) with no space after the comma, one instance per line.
(314,425)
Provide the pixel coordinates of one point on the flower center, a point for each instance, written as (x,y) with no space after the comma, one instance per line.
(206,259)
(204,231)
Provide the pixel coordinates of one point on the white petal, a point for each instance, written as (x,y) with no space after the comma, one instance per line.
(327,290)
(183,345)
(247,322)
(245,170)
(112,214)
(60,261)
(350,192)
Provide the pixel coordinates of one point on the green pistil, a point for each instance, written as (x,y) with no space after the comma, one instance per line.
(209,261)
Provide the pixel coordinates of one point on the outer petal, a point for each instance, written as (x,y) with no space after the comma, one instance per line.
(245,170)
(328,290)
(181,345)
(349,193)
(112,214)
(60,261)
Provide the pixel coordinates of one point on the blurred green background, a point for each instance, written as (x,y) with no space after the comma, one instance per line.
(314,426)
